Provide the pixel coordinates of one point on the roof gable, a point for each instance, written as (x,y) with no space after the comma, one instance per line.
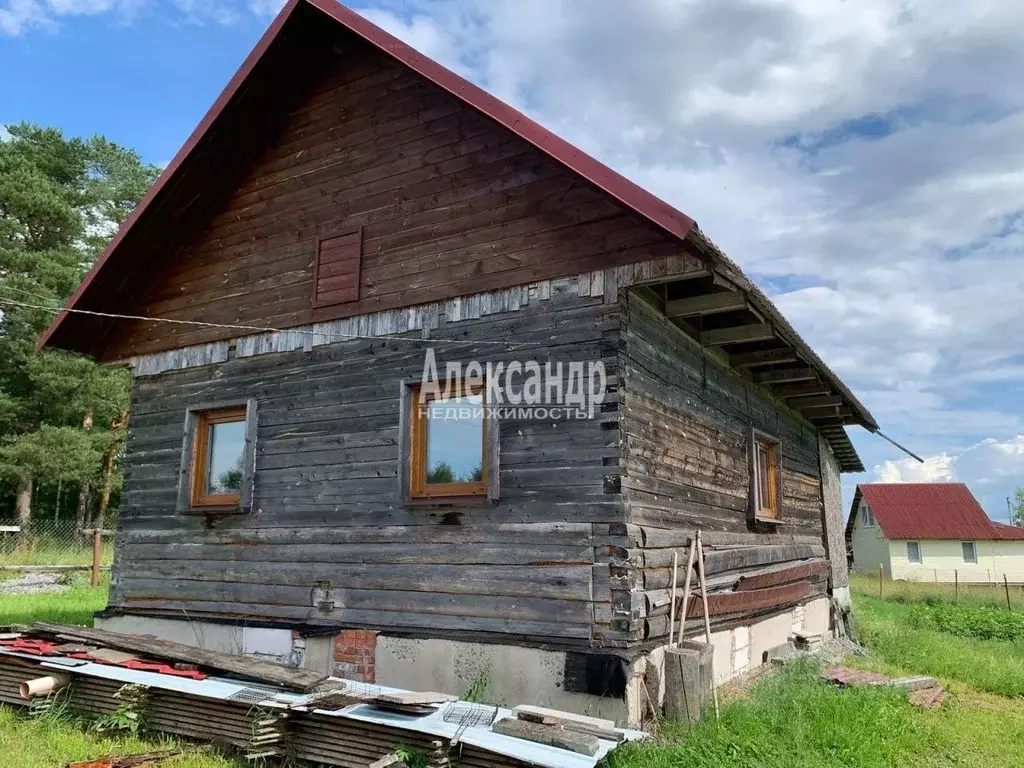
(286,37)
(929,511)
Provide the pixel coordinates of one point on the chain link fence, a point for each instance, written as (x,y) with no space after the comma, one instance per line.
(50,542)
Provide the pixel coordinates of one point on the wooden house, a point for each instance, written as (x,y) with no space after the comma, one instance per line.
(349,209)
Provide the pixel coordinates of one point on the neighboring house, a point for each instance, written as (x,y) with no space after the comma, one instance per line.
(350,213)
(931,532)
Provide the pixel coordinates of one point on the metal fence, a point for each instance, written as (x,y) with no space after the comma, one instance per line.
(50,542)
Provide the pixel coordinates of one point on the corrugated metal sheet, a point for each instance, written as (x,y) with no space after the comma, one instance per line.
(354,736)
(930,511)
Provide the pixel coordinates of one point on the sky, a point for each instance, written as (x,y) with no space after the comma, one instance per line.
(862,161)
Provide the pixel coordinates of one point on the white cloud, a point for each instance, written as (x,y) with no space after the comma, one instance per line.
(992,469)
(20,16)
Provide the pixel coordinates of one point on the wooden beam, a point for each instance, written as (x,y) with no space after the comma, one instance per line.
(763,357)
(785,376)
(243,666)
(800,390)
(739,334)
(815,401)
(573,741)
(708,304)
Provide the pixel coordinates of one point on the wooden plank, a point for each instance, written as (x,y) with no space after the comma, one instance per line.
(739,334)
(801,389)
(546,715)
(728,560)
(245,666)
(553,736)
(782,576)
(750,601)
(785,376)
(763,357)
(707,304)
(815,401)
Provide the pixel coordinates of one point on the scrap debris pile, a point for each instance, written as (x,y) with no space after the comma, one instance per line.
(270,709)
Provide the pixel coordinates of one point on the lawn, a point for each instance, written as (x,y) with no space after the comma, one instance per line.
(790,719)
(793,718)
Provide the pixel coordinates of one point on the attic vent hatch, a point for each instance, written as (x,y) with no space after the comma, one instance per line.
(339,259)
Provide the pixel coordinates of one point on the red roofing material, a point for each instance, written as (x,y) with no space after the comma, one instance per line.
(931,511)
(619,187)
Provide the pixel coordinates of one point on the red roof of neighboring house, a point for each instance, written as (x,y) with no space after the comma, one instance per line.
(930,511)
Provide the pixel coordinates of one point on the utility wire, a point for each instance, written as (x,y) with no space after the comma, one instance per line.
(256,328)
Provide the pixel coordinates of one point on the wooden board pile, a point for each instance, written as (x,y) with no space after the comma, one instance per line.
(565,730)
(923,691)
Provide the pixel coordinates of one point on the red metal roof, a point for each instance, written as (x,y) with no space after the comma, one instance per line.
(930,511)
(622,189)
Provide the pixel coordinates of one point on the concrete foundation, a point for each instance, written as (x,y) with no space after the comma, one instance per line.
(514,675)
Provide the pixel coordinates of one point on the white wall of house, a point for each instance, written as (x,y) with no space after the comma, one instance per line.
(870,548)
(944,561)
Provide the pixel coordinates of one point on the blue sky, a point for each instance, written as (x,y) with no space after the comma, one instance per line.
(861,161)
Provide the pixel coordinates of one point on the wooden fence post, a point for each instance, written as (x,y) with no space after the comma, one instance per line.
(1006,586)
(956,585)
(879,580)
(97,551)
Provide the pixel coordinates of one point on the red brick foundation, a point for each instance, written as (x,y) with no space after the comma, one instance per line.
(354,654)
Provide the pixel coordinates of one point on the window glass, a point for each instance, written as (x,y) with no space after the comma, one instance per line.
(913,552)
(226,446)
(970,552)
(455,439)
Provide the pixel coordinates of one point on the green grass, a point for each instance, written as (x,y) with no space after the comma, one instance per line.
(793,718)
(53,742)
(55,553)
(74,606)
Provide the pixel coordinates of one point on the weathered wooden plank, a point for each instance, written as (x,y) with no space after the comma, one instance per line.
(753,600)
(782,576)
(553,736)
(706,304)
(728,560)
(253,669)
(739,334)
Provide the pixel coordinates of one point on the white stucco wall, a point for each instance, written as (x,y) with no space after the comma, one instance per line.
(943,561)
(870,548)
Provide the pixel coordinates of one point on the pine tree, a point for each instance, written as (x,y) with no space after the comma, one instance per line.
(60,201)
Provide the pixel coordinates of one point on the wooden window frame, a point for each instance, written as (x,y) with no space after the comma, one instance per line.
(974,549)
(774,509)
(201,457)
(419,488)
(920,553)
(195,458)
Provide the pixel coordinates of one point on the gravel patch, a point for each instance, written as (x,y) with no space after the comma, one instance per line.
(33,583)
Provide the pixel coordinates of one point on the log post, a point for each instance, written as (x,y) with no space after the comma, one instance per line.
(689,668)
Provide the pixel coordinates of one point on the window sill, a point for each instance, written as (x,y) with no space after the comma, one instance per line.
(213,511)
(767,520)
(449,501)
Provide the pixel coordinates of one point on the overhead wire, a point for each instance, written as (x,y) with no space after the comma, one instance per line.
(256,328)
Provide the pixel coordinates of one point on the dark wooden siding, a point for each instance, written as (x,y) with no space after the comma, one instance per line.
(686,425)
(327,504)
(450,202)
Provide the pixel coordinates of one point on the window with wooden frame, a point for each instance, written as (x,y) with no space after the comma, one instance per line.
(337,270)
(451,442)
(765,455)
(218,458)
